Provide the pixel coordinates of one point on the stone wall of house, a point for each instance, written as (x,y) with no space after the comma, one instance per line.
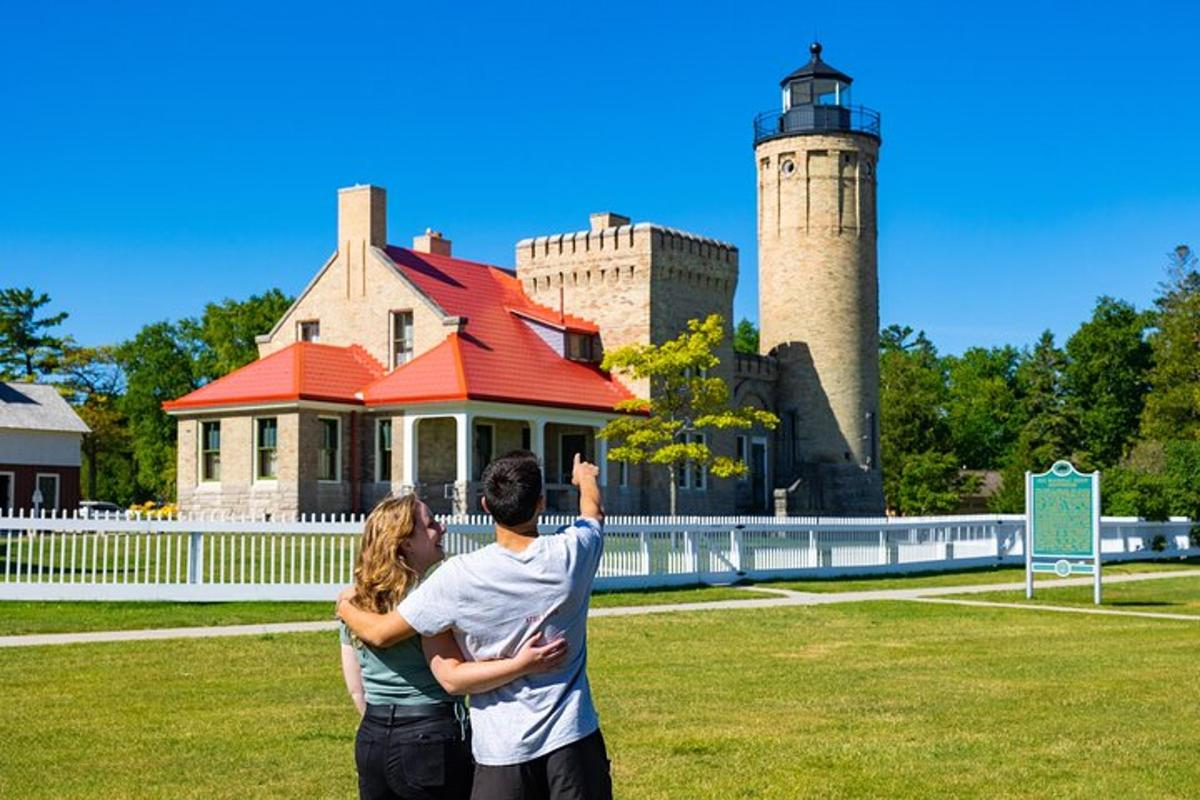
(238,490)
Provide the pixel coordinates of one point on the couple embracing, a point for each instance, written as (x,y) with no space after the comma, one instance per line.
(506,624)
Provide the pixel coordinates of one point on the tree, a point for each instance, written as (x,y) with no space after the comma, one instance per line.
(683,400)
(1106,378)
(226,331)
(1172,408)
(745,337)
(981,405)
(1048,430)
(912,400)
(27,348)
(93,382)
(929,483)
(158,365)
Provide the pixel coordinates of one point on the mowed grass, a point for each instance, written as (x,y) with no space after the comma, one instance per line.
(883,699)
(968,577)
(21,617)
(1166,595)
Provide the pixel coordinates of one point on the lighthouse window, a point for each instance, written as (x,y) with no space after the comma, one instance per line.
(787,167)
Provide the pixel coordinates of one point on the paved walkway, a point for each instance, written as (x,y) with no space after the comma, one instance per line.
(776,599)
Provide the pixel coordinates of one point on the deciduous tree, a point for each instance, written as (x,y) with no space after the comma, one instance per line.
(683,399)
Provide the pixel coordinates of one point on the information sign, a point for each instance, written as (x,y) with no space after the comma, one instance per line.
(1062,517)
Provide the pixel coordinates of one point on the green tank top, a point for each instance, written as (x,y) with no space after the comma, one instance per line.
(397,675)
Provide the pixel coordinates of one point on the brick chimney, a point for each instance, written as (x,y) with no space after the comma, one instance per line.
(431,242)
(607,219)
(362,215)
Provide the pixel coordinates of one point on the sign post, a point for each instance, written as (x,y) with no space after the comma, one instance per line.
(1062,524)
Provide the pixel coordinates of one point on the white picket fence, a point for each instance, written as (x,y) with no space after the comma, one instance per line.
(132,557)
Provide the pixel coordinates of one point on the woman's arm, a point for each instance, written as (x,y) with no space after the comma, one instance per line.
(376,630)
(352,675)
(459,676)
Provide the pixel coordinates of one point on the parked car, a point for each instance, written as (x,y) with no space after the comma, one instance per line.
(91,509)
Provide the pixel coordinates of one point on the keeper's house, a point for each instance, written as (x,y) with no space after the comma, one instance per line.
(396,368)
(40,438)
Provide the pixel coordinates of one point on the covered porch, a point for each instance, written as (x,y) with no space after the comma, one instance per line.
(444,451)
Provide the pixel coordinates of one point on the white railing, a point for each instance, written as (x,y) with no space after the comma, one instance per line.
(127,556)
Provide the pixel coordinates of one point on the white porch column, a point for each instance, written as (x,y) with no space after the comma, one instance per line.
(602,458)
(463,446)
(537,442)
(409,445)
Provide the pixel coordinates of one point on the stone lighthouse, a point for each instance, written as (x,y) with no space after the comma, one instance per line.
(819,289)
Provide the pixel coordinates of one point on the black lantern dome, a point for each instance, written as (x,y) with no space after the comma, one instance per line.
(816,99)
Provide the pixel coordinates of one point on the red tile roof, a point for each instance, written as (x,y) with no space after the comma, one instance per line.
(302,371)
(496,356)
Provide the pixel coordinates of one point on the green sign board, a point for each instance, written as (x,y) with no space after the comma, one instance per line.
(1061,513)
(1062,518)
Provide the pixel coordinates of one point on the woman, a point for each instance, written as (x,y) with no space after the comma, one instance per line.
(413,742)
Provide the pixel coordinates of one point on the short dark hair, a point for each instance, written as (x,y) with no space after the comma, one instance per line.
(512,486)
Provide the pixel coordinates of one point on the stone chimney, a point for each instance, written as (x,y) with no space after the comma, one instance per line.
(362,215)
(431,242)
(607,219)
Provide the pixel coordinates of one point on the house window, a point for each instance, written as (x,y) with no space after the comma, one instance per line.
(692,476)
(308,331)
(568,445)
(740,455)
(526,438)
(383,450)
(329,456)
(582,347)
(485,439)
(8,482)
(402,337)
(210,451)
(266,439)
(47,484)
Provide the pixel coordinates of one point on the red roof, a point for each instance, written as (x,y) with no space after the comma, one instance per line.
(302,371)
(497,355)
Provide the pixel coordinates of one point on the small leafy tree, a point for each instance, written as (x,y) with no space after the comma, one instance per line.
(683,399)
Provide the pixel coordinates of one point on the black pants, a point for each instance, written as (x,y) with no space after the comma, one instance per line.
(412,759)
(578,771)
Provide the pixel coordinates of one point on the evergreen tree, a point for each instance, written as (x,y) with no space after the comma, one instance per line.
(1172,408)
(745,337)
(28,349)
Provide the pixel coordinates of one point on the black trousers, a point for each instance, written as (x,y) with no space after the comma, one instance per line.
(579,771)
(413,759)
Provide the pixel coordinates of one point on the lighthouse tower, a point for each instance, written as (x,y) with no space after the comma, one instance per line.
(819,289)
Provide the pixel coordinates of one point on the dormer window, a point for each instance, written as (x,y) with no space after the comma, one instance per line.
(308,331)
(402,337)
(583,347)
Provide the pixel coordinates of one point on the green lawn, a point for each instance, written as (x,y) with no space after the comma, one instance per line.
(1167,595)
(20,617)
(897,700)
(969,577)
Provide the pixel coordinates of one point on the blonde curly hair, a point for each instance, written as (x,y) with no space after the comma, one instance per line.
(382,575)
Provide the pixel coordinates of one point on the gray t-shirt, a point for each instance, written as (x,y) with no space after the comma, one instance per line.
(495,599)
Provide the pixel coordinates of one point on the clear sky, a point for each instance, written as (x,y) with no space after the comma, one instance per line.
(154,157)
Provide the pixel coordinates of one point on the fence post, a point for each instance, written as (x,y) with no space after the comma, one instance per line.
(883,551)
(644,545)
(196,557)
(691,552)
(735,549)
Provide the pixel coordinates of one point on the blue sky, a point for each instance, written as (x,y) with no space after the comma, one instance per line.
(154,157)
